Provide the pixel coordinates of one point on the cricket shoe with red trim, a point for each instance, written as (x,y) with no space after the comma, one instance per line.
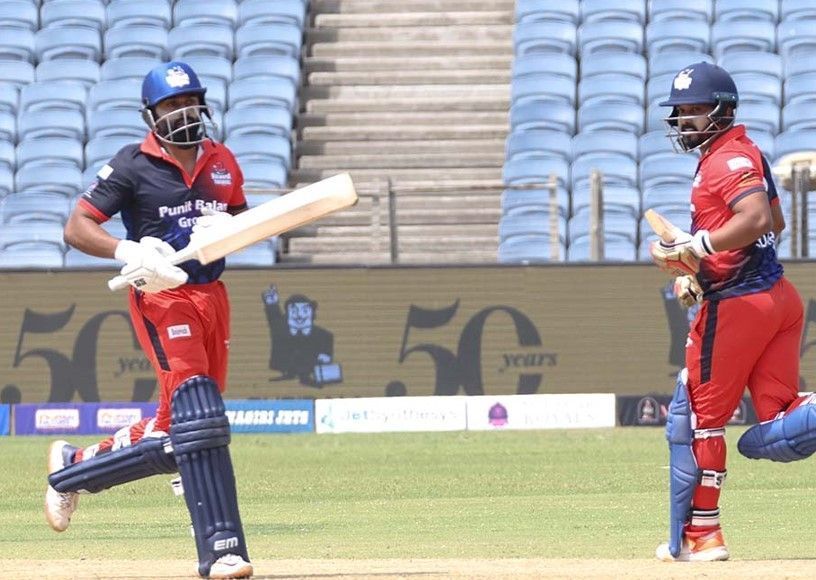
(708,548)
(60,506)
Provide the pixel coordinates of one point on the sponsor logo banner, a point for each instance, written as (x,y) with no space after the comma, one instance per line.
(259,416)
(4,419)
(568,411)
(78,418)
(652,409)
(379,415)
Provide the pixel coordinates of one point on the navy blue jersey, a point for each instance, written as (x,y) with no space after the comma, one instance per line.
(158,198)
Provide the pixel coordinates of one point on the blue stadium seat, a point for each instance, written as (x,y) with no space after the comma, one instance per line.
(16,72)
(51,123)
(797,9)
(612,116)
(654,117)
(80,13)
(8,127)
(74,70)
(532,249)
(611,142)
(542,87)
(610,88)
(256,198)
(281,66)
(260,147)
(19,14)
(262,119)
(665,196)
(679,216)
(200,40)
(800,88)
(518,201)
(65,180)
(760,116)
(211,66)
(538,143)
(800,63)
(615,170)
(659,87)
(50,151)
(74,259)
(257,12)
(665,63)
(680,9)
(679,169)
(218,12)
(794,142)
(124,13)
(615,221)
(34,207)
(597,10)
(6,178)
(24,236)
(731,10)
(52,95)
(765,142)
(783,248)
(538,115)
(673,35)
(518,171)
(529,223)
(127,67)
(101,149)
(263,174)
(533,65)
(68,42)
(268,39)
(655,143)
(758,88)
(610,36)
(546,37)
(216,96)
(8,155)
(17,44)
(38,257)
(142,41)
(799,116)
(116,122)
(260,254)
(618,198)
(119,94)
(755,62)
(116,228)
(9,97)
(262,91)
(742,36)
(627,63)
(795,37)
(536,11)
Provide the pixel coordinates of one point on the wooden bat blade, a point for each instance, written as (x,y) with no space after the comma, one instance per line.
(667,231)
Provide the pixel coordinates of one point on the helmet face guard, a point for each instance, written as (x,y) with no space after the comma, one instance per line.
(184,127)
(688,140)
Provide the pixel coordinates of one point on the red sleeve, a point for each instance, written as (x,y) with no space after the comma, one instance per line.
(735,175)
(237,200)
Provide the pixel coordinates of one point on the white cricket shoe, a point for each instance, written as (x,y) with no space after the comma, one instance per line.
(708,548)
(59,506)
(231,566)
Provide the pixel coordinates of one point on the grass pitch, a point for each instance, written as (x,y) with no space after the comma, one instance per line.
(587,494)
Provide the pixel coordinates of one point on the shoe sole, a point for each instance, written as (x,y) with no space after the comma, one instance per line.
(244,571)
(719,554)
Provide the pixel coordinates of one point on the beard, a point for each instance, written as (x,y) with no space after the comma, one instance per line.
(184,134)
(691,141)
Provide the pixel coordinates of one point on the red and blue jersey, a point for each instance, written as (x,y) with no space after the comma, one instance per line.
(730,170)
(158,198)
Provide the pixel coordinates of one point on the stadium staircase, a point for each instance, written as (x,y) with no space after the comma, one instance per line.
(410,95)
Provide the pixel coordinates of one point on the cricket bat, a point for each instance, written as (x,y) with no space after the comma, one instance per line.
(287,212)
(667,231)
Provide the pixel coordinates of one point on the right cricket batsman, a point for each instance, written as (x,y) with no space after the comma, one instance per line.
(749,326)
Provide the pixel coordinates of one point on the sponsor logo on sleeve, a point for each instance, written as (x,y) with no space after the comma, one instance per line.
(105,172)
(736,163)
(179,331)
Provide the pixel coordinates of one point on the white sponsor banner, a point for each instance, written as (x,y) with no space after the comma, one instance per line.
(109,419)
(574,411)
(59,419)
(383,414)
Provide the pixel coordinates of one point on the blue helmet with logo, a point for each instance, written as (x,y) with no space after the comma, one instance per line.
(701,83)
(170,79)
(183,126)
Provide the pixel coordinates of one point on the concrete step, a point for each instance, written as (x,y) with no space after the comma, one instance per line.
(349,223)
(409,49)
(409,77)
(397,175)
(401,160)
(495,131)
(375,62)
(383,257)
(433,18)
(436,118)
(364,243)
(313,147)
(415,91)
(475,34)
(493,102)
(390,6)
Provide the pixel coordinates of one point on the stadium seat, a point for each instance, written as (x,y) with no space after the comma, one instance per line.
(795,37)
(74,70)
(794,142)
(538,143)
(268,39)
(200,40)
(68,42)
(671,63)
(22,234)
(753,61)
(19,14)
(610,142)
(39,257)
(542,87)
(533,65)
(6,179)
(74,259)
(610,88)
(758,88)
(17,72)
(667,195)
(538,115)
(262,91)
(679,216)
(680,9)
(678,169)
(51,123)
(760,116)
(260,147)
(260,254)
(8,127)
(763,140)
(626,63)
(742,36)
(535,11)
(118,94)
(517,201)
(611,116)
(518,171)
(618,198)
(800,88)
(216,96)
(47,95)
(799,116)
(64,180)
(217,12)
(73,13)
(263,175)
(258,12)
(796,9)
(17,44)
(800,63)
(618,222)
(143,41)
(673,35)
(8,155)
(50,151)
(655,143)
(281,66)
(546,37)
(211,66)
(9,98)
(34,207)
(116,122)
(530,249)
(598,10)
(731,10)
(615,170)
(125,13)
(659,87)
(610,36)
(116,228)
(101,149)
(262,119)
(127,67)
(529,223)
(654,118)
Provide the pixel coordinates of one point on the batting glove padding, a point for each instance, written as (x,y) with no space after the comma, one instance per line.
(683,255)
(146,265)
(687,291)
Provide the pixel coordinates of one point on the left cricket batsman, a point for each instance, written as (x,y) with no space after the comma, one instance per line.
(176,181)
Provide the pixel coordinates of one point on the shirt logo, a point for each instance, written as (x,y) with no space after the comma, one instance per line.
(220,175)
(683,79)
(179,331)
(739,163)
(176,77)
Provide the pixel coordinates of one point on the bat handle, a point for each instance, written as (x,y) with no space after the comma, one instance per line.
(117,283)
(187,253)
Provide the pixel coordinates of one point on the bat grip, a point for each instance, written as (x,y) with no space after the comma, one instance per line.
(120,282)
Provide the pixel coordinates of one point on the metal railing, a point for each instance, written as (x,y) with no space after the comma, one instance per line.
(796,172)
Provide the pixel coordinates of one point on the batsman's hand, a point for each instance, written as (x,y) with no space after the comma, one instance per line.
(211,218)
(146,265)
(687,291)
(683,255)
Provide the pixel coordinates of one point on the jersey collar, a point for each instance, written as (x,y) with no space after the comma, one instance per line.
(152,146)
(733,133)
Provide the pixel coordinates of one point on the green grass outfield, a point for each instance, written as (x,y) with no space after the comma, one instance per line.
(536,494)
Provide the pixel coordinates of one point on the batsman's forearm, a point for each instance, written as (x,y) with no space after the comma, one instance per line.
(84,234)
(741,230)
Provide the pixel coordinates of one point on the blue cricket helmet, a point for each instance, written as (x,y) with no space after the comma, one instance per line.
(702,83)
(169,80)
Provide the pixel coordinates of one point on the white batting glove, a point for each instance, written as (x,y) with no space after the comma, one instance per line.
(687,291)
(683,255)
(211,219)
(146,266)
